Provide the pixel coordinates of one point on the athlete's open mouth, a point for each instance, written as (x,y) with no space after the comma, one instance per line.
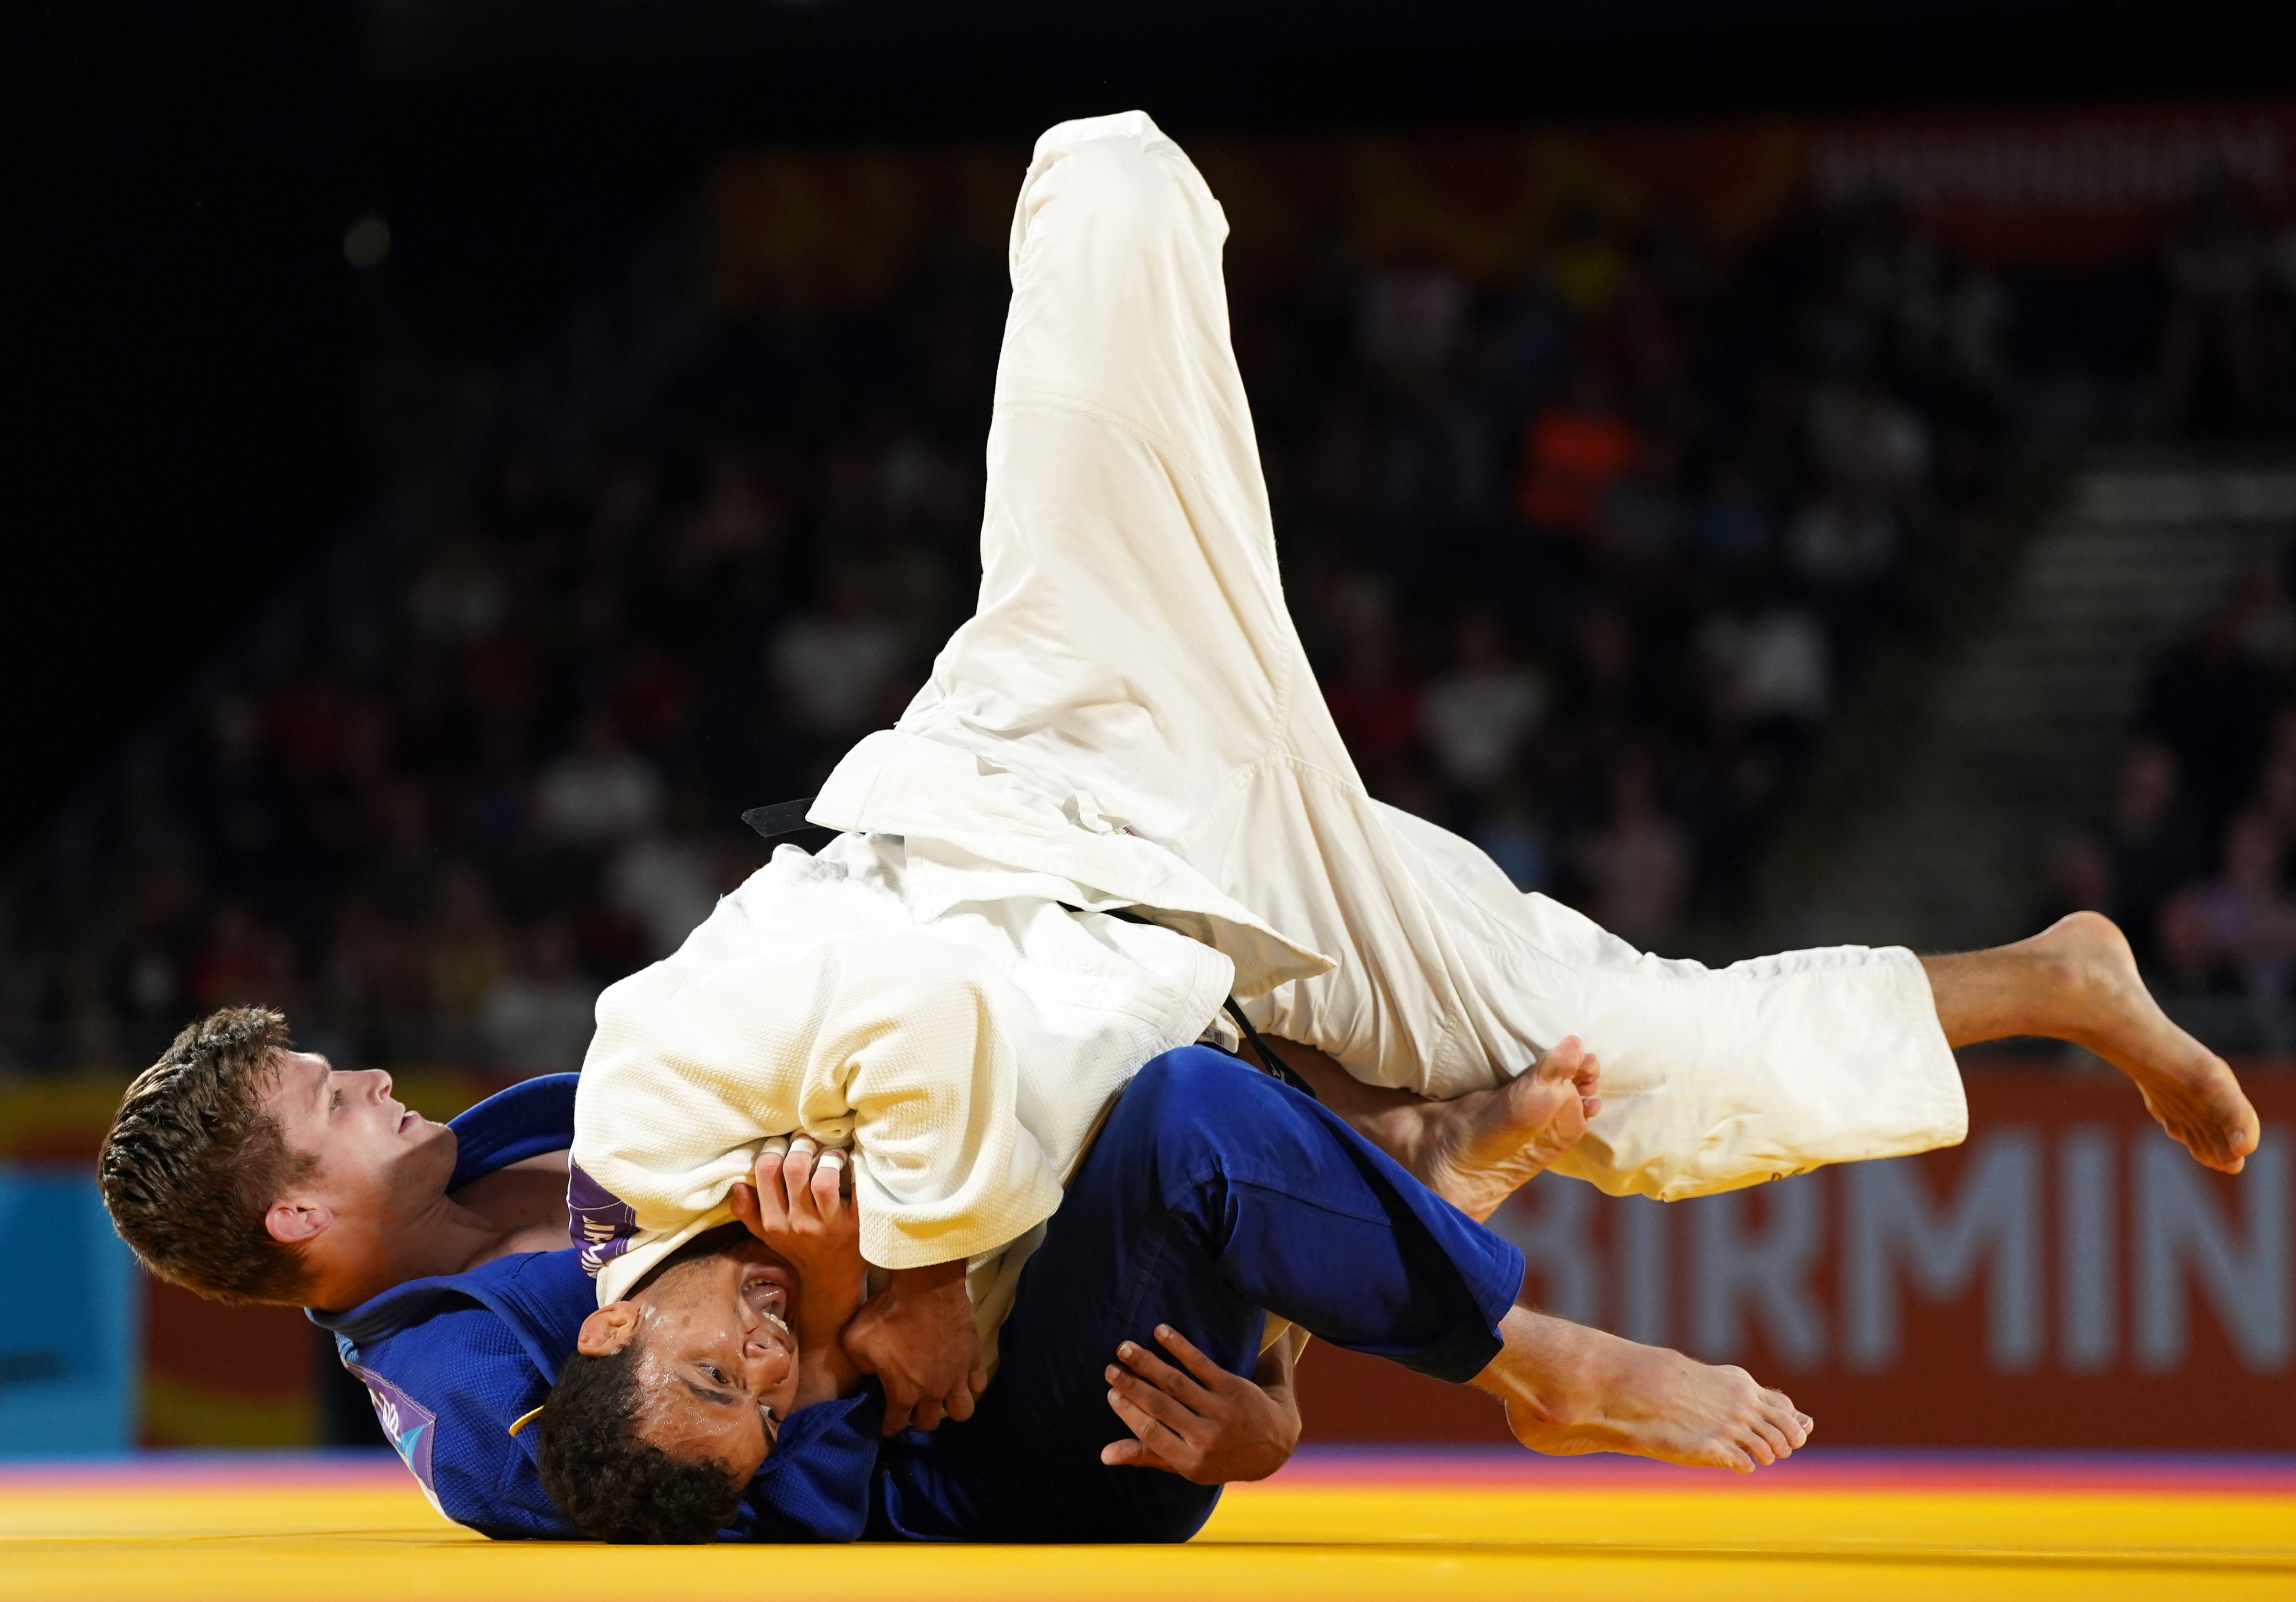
(765,1292)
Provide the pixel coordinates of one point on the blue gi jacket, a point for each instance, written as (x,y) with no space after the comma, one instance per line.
(450,1362)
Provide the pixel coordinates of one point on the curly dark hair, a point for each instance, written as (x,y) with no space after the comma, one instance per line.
(193,1163)
(613,1486)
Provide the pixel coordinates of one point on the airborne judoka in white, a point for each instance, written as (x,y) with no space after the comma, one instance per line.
(1129,724)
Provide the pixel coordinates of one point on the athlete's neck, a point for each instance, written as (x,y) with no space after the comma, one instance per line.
(523,1206)
(520,1208)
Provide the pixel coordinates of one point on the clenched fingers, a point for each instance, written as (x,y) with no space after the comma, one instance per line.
(743,1200)
(828,1187)
(796,1172)
(766,1175)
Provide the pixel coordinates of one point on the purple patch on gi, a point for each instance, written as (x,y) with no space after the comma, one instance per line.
(411,1426)
(600,1221)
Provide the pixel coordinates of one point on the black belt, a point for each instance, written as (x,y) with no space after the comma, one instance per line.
(783,818)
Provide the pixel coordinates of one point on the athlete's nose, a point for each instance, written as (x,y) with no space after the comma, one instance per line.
(767,1365)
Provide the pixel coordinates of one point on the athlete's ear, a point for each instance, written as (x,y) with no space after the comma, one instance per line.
(292,1223)
(608,1330)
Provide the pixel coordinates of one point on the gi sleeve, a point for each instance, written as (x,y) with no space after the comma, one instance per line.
(892,1040)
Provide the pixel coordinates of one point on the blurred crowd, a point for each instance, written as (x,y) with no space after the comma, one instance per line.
(1585,562)
(2191,852)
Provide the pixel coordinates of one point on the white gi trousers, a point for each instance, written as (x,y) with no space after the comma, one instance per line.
(1132,652)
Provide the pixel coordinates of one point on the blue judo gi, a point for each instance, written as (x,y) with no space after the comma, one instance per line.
(1213,1196)
(450,1362)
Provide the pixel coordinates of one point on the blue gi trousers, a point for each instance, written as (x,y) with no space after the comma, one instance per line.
(1213,1196)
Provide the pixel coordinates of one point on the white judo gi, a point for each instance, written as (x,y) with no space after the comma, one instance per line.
(1129,720)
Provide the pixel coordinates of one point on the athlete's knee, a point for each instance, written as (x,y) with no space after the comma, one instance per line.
(1193,1101)
(1124,170)
(1200,1081)
(1175,1514)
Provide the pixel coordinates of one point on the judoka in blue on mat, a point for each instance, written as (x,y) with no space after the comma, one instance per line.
(1118,802)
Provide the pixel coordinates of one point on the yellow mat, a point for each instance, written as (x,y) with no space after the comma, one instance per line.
(1368,1528)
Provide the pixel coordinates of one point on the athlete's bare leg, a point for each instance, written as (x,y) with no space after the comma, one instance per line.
(2076,981)
(1569,1389)
(1478,1150)
(1566,1389)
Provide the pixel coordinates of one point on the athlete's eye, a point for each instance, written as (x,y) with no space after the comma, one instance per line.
(335,1101)
(716,1375)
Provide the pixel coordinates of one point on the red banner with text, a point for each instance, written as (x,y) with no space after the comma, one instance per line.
(2067,1277)
(819,230)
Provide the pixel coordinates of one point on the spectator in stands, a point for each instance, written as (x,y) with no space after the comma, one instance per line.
(458,802)
(839,668)
(1845,541)
(599,790)
(1573,452)
(734,521)
(243,961)
(2189,965)
(1976,322)
(1863,440)
(459,597)
(464,944)
(2214,331)
(2081,878)
(2151,840)
(1477,716)
(1337,467)
(539,1017)
(91,1033)
(1516,838)
(2276,791)
(396,879)
(1411,320)
(1636,866)
(667,879)
(1375,706)
(2212,704)
(1607,685)
(1643,518)
(2250,922)
(1730,531)
(157,930)
(376,1001)
(1770,664)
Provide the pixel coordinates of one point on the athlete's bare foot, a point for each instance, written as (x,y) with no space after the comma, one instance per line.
(1569,1390)
(1479,1149)
(2077,981)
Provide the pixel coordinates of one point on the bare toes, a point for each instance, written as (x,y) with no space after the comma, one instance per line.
(1780,1414)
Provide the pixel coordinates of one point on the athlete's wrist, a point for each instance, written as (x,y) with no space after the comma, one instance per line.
(932,1276)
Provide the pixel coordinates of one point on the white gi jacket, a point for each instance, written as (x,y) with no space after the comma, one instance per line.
(962,1023)
(1132,666)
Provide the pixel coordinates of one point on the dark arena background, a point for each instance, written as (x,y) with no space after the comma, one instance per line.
(1770,474)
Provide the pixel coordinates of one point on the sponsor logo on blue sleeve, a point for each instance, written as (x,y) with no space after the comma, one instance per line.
(600,1221)
(412,1427)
